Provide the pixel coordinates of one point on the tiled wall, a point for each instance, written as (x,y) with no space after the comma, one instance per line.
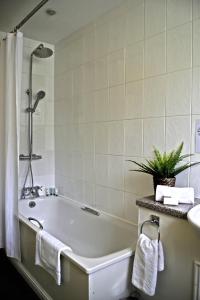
(125,83)
(43,118)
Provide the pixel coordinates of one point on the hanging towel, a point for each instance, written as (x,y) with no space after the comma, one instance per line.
(148,260)
(47,254)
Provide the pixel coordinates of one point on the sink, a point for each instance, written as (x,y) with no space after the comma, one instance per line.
(194,216)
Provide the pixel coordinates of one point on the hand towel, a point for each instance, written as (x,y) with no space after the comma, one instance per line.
(184,195)
(47,254)
(148,260)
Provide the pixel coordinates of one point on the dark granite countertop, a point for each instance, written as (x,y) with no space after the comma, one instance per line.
(179,211)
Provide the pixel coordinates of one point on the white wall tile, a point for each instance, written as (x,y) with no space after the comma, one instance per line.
(177,131)
(116,172)
(135,24)
(116,67)
(178,101)
(117,103)
(89,167)
(178,12)
(196,91)
(101,39)
(134,99)
(116,199)
(154,97)
(101,73)
(135,182)
(101,169)
(116,138)
(179,48)
(155,55)
(117,33)
(196,43)
(196,9)
(154,135)
(135,61)
(101,104)
(155,15)
(89,45)
(195,180)
(101,138)
(130,208)
(102,198)
(133,137)
(88,76)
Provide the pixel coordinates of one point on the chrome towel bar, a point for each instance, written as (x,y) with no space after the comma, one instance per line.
(153,220)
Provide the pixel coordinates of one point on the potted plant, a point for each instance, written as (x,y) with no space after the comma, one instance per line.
(164,167)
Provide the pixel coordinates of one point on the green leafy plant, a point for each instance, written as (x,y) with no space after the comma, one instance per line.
(166,165)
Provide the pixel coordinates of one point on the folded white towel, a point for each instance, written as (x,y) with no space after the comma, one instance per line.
(184,195)
(148,260)
(47,254)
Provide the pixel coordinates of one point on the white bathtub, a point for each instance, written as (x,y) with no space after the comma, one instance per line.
(100,264)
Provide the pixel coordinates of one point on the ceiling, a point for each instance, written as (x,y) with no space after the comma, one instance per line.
(71,15)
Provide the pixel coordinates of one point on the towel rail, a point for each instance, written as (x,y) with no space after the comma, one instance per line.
(35,220)
(154,220)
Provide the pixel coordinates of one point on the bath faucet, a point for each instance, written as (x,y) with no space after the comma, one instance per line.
(32,192)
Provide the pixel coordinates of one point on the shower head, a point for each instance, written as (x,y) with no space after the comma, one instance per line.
(40,95)
(42,52)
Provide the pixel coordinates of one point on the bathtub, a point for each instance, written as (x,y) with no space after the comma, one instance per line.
(100,264)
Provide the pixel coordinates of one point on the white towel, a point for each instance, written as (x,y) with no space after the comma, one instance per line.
(148,260)
(47,254)
(184,195)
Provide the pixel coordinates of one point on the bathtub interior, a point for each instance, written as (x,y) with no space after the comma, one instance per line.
(88,235)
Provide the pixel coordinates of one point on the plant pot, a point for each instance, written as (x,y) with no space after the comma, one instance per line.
(163,181)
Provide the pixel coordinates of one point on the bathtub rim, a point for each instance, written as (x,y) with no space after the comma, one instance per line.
(88,265)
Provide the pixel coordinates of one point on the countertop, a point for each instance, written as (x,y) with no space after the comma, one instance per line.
(179,211)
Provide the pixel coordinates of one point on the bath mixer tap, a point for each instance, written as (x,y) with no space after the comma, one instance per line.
(30,192)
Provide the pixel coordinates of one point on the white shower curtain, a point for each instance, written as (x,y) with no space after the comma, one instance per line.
(11,55)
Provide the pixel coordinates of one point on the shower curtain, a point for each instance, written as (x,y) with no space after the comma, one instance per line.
(11,55)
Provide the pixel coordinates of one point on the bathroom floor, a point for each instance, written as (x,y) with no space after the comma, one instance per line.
(12,284)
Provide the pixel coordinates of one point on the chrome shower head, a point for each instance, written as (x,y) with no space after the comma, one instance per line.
(42,52)
(40,95)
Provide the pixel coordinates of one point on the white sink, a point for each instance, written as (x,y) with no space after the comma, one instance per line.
(194,216)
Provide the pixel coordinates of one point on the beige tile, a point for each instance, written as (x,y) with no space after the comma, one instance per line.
(134,62)
(116,199)
(155,12)
(133,137)
(178,12)
(155,55)
(179,54)
(178,101)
